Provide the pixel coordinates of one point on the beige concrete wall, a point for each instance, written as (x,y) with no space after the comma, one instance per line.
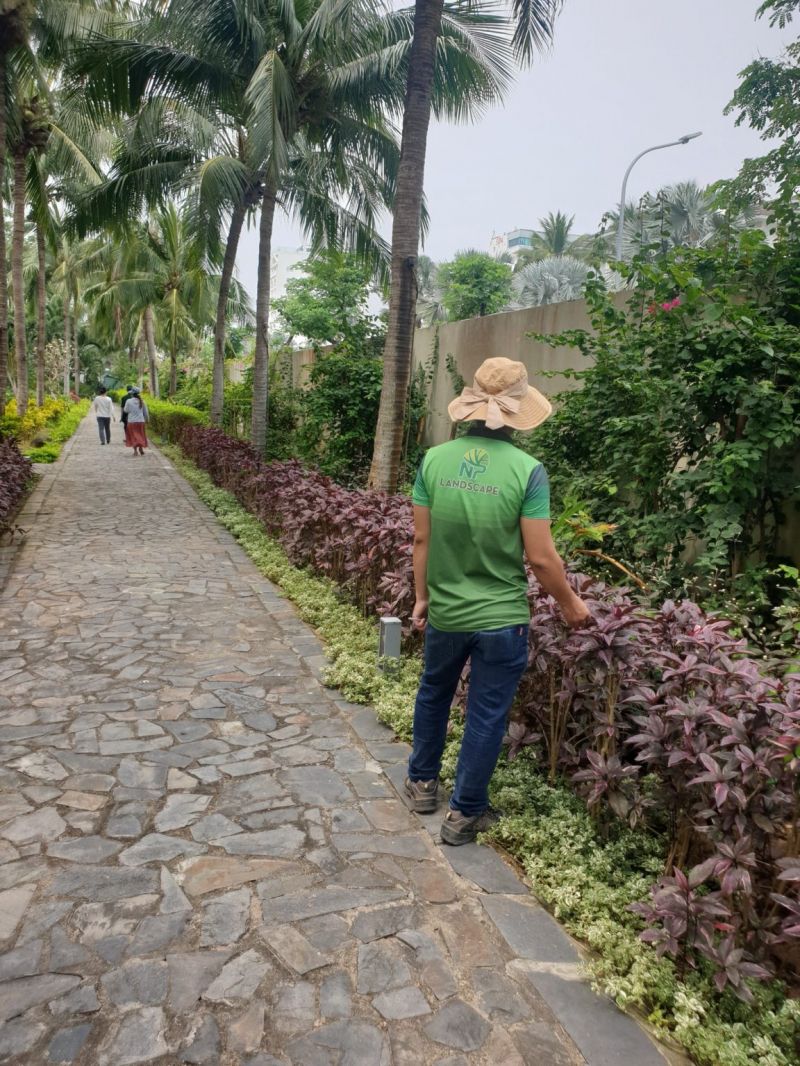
(472,340)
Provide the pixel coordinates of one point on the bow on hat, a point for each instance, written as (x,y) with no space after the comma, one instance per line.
(508,400)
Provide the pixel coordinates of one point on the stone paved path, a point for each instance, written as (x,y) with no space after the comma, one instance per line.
(202,859)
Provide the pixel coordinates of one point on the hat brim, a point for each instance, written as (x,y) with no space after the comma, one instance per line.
(534,408)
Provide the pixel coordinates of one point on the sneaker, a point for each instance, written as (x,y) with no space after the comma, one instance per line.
(424,795)
(458,828)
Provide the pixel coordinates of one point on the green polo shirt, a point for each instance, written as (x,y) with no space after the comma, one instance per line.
(477,488)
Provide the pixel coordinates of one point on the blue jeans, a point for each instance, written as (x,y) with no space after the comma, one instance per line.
(104,426)
(498,660)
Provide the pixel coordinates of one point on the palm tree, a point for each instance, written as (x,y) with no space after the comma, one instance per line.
(551,280)
(534,23)
(300,92)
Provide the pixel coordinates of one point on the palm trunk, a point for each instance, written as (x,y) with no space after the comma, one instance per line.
(173,372)
(17,249)
(218,380)
(386,456)
(150,340)
(3,278)
(67,345)
(76,359)
(139,362)
(41,298)
(258,430)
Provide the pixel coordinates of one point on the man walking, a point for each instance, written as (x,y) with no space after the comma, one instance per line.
(480,505)
(104,412)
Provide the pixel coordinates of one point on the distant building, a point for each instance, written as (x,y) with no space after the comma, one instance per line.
(511,243)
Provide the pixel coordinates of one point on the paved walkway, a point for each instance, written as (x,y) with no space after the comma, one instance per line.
(202,855)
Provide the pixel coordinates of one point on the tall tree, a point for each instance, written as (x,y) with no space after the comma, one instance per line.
(534,22)
(474,284)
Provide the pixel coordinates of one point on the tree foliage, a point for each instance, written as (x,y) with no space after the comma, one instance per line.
(328,304)
(474,284)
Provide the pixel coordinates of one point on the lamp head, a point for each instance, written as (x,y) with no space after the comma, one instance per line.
(689,137)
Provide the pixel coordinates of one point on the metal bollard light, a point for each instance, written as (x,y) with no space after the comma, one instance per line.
(391,632)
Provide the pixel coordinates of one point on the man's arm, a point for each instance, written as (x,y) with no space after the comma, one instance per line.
(549,570)
(422,539)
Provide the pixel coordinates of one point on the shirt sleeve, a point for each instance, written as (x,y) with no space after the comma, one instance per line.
(420,495)
(536,503)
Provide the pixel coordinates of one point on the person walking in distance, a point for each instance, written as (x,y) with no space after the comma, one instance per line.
(480,506)
(138,416)
(103,408)
(124,417)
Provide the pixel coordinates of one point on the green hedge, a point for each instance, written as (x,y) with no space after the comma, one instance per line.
(58,433)
(168,419)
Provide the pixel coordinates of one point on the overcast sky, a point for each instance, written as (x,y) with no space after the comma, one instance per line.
(623,75)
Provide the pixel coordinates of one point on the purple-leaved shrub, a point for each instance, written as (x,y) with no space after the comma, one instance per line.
(15,476)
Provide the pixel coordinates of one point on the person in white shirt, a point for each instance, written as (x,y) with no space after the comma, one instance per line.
(103,408)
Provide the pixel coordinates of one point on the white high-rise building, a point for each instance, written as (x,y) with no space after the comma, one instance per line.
(511,243)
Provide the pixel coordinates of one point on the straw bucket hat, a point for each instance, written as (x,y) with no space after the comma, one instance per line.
(501,396)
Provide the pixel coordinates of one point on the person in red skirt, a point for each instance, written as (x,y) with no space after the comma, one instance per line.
(138,417)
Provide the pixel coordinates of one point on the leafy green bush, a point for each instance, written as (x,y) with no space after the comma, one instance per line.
(168,419)
(58,433)
(685,433)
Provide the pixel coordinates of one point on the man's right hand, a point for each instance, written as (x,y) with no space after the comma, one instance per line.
(575,613)
(419,616)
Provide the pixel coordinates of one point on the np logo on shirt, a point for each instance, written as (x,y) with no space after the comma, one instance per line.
(474,464)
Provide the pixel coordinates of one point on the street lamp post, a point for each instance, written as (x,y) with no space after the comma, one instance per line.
(656,147)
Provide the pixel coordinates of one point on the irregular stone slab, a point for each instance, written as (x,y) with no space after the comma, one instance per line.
(191,974)
(157,847)
(22,961)
(44,824)
(239,978)
(214,827)
(406,847)
(12,805)
(139,1038)
(134,774)
(324,900)
(499,997)
(17,1037)
(381,966)
(90,783)
(294,1008)
(390,816)
(104,883)
(214,872)
(82,801)
(82,1000)
(64,954)
(66,1045)
(13,905)
(457,1025)
(401,1003)
(203,1042)
(18,996)
(180,811)
(225,918)
(186,731)
(158,931)
(317,786)
(286,842)
(358,1043)
(262,721)
(328,932)
(137,983)
(41,917)
(173,900)
(246,767)
(433,883)
(247,1031)
(178,779)
(41,766)
(372,925)
(84,849)
(126,826)
(292,948)
(336,996)
(484,868)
